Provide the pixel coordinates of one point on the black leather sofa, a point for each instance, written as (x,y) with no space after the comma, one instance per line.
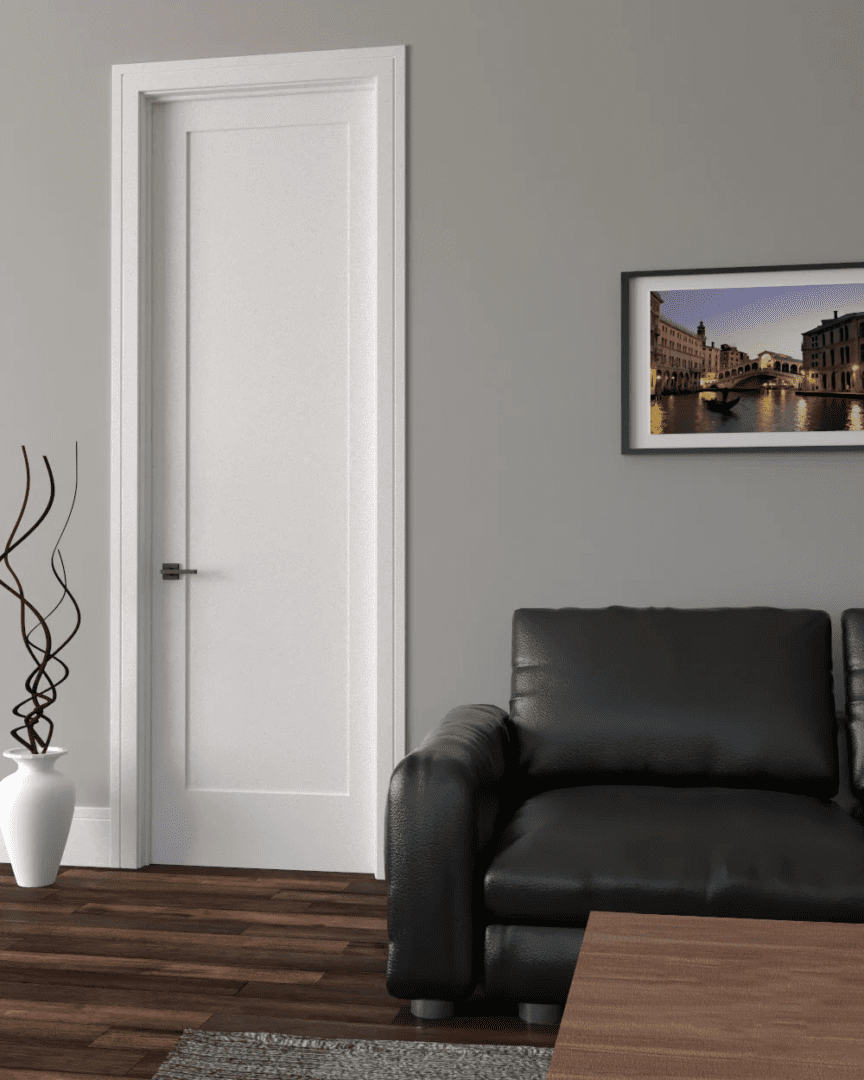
(653,760)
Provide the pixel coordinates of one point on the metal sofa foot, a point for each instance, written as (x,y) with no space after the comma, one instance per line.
(531,1013)
(431,1009)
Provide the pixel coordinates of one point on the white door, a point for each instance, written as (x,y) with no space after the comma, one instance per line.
(263,748)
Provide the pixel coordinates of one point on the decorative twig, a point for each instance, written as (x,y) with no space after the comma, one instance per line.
(40,699)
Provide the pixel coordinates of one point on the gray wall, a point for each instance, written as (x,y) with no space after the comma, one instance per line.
(553,144)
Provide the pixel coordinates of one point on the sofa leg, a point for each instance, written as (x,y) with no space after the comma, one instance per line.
(532,1013)
(431,1009)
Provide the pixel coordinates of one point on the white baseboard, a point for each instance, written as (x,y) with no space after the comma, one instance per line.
(89,842)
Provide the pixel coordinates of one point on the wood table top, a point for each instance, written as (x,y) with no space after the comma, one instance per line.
(715,999)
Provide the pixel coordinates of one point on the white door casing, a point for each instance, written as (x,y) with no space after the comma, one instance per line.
(235,122)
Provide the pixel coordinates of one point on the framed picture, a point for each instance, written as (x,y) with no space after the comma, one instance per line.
(745,358)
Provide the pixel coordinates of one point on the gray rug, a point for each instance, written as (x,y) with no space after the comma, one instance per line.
(218,1055)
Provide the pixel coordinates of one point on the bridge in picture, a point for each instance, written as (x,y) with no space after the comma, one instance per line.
(757,380)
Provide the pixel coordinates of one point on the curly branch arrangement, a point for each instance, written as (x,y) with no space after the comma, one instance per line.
(41,686)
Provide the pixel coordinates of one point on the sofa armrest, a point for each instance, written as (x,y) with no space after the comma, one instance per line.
(442,809)
(853,659)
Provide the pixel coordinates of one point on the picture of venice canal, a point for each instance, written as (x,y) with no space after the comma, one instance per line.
(792,360)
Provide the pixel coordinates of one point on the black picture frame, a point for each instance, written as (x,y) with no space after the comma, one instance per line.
(652,372)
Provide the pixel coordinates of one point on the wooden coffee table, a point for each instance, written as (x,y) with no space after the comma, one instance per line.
(719,999)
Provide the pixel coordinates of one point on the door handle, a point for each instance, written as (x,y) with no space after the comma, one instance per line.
(171,571)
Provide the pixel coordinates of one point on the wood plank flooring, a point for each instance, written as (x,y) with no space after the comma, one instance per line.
(101,971)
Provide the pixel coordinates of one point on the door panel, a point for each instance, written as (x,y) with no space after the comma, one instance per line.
(264,232)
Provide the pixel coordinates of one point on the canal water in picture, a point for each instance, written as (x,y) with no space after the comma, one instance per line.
(778,409)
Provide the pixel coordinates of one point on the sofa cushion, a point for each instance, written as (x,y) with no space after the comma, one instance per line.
(680,851)
(737,697)
(530,963)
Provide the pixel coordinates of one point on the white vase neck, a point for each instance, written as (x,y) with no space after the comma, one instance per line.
(27,759)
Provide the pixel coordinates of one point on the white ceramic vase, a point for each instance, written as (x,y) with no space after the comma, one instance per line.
(36,807)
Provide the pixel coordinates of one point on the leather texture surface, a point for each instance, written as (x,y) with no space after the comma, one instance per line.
(845,798)
(655,760)
(530,963)
(680,851)
(739,697)
(442,810)
(852,624)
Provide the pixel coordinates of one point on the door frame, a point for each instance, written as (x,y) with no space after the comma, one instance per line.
(136,88)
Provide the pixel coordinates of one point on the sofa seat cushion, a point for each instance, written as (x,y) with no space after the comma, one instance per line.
(688,851)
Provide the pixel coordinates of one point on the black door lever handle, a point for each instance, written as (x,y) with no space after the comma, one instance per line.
(171,571)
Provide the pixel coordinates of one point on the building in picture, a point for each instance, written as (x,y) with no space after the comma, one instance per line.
(833,355)
(677,354)
(682,359)
(713,364)
(732,361)
(656,301)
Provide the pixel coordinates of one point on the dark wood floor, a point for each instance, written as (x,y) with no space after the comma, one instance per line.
(101,971)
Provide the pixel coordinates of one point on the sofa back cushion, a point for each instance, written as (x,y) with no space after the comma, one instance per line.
(737,697)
